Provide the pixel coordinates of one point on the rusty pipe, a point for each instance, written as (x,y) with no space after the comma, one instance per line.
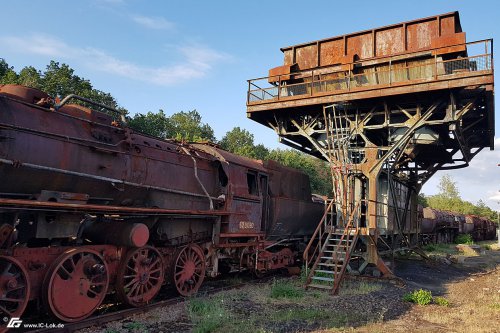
(83,99)
(113,181)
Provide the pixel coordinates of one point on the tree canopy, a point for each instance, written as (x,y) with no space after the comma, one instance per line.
(58,80)
(182,126)
(449,199)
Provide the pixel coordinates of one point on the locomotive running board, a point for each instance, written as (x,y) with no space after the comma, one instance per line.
(19,204)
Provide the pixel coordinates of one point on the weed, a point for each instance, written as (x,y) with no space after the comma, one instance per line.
(420,297)
(284,289)
(135,326)
(441,301)
(111,330)
(495,306)
(303,274)
(464,239)
(206,314)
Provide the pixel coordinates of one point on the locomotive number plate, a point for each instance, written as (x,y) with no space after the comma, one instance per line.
(246,225)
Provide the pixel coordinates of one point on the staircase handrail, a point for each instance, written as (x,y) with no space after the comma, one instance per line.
(318,232)
(338,274)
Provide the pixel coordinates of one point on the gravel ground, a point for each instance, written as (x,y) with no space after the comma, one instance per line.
(472,287)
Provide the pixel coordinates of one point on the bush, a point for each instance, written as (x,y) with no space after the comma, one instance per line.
(420,297)
(464,239)
(283,289)
(441,301)
(429,248)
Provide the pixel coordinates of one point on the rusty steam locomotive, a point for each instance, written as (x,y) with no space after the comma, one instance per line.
(90,207)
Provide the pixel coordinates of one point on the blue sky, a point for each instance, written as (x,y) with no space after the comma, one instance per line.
(184,55)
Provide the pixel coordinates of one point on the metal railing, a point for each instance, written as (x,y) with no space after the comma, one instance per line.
(324,80)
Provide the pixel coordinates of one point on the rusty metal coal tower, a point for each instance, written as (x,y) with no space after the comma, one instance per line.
(387,108)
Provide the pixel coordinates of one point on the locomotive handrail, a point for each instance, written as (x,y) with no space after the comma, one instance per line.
(84,99)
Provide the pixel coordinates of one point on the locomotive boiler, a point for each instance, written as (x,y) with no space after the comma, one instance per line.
(90,207)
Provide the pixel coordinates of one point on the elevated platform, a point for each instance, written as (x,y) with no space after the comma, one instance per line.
(380,88)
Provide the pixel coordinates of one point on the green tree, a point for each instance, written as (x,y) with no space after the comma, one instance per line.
(155,124)
(189,127)
(58,80)
(7,73)
(235,139)
(448,187)
(260,152)
(449,199)
(316,169)
(241,142)
(422,200)
(31,77)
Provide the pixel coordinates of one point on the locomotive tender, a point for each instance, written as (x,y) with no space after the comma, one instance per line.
(90,207)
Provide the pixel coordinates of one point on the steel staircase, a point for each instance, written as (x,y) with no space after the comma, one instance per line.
(329,251)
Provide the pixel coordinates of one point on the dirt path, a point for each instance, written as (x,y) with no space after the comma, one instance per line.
(475,302)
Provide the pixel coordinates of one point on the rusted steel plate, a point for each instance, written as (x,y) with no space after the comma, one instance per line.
(417,35)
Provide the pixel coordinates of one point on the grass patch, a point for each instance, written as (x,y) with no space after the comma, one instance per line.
(207,314)
(441,301)
(491,245)
(420,297)
(329,319)
(350,287)
(440,249)
(135,326)
(285,289)
(429,247)
(495,306)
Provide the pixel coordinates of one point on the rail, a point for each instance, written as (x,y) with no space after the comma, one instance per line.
(392,71)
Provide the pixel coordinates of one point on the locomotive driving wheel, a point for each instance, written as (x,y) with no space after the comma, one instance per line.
(140,276)
(14,288)
(76,284)
(188,270)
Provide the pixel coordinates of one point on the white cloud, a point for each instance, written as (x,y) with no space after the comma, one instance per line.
(197,60)
(37,44)
(479,181)
(158,23)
